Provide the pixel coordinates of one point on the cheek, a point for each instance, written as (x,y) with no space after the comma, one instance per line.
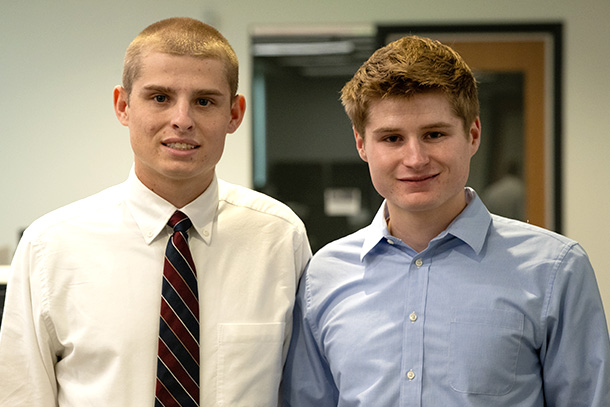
(142,135)
(463,169)
(152,124)
(380,174)
(140,127)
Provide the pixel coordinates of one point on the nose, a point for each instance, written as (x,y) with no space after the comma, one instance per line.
(182,119)
(415,154)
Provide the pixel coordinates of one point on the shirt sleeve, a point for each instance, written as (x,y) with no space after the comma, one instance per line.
(27,358)
(576,354)
(302,254)
(307,380)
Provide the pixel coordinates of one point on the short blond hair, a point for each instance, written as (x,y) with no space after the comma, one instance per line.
(180,36)
(409,66)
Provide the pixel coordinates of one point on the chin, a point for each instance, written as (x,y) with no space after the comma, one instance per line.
(415,204)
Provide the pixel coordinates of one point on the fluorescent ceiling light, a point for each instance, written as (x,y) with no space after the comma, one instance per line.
(303,48)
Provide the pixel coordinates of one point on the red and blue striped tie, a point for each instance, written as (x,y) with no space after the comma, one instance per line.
(178,356)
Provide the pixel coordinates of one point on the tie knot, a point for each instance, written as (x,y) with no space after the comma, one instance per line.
(179,222)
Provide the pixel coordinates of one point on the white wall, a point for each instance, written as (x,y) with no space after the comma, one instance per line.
(60,61)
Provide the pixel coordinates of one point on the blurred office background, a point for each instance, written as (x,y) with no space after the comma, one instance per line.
(61,142)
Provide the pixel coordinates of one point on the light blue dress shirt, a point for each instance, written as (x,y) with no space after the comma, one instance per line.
(494,312)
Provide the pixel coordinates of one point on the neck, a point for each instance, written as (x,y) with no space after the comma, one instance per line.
(417,233)
(178,193)
(417,229)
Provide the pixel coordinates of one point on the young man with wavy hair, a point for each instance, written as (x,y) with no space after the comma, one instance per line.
(438,302)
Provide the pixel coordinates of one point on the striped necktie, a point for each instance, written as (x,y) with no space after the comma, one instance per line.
(178,356)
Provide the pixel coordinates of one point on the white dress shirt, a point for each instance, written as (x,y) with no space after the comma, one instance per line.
(82,310)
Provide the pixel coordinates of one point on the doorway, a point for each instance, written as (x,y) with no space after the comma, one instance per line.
(304,152)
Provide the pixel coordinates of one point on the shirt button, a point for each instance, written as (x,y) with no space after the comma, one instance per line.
(410,375)
(390,241)
(419,262)
(206,233)
(413,317)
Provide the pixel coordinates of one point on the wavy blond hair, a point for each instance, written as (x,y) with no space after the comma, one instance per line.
(409,66)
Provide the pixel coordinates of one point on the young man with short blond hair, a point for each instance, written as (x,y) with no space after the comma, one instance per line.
(87,316)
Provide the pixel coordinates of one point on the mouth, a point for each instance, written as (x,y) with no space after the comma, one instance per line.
(417,179)
(181,146)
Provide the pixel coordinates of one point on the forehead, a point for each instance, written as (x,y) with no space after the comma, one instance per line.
(419,109)
(157,68)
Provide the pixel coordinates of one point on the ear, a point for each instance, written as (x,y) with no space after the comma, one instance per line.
(121,105)
(359,144)
(238,109)
(475,136)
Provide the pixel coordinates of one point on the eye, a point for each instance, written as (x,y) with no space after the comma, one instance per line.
(160,98)
(435,135)
(203,101)
(392,139)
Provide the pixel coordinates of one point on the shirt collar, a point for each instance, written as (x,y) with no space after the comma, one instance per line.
(151,212)
(470,226)
(377,231)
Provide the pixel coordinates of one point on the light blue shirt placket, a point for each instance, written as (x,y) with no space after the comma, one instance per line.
(413,332)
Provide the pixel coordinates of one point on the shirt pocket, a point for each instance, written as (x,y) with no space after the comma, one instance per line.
(484,348)
(249,364)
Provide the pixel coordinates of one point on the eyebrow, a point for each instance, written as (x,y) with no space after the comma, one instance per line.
(165,89)
(383,130)
(436,125)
